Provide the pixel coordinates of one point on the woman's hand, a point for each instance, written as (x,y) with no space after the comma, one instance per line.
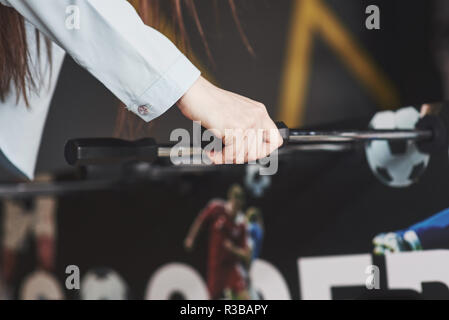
(247,131)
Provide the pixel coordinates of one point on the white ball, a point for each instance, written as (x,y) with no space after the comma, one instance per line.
(396,169)
(255,182)
(103,284)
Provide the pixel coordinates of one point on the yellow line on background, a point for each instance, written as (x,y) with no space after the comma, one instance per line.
(296,73)
(311,16)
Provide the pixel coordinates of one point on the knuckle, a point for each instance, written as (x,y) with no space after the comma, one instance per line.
(262,109)
(261,105)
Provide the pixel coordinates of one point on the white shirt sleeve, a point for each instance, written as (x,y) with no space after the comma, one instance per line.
(138,64)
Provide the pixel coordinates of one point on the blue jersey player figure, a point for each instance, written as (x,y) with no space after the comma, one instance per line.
(430,234)
(255,231)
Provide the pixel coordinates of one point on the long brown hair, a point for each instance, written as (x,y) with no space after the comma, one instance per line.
(15,68)
(14,51)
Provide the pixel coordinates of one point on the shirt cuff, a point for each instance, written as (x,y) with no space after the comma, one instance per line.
(163,94)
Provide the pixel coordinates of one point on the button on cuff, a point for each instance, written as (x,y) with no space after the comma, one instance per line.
(162,95)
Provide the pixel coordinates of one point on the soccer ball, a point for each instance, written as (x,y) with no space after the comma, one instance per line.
(396,164)
(103,284)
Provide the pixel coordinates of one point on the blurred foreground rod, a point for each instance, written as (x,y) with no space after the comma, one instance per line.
(102,152)
(25,190)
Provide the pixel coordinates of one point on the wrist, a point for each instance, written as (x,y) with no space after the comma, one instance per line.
(186,100)
(181,104)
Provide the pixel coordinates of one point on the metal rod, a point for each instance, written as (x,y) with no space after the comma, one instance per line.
(165,152)
(329,147)
(358,136)
(322,140)
(330,141)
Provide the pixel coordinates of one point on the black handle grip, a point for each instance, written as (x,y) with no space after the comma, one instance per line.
(100,151)
(284,131)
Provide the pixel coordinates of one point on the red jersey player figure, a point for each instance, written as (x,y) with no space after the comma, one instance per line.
(224,266)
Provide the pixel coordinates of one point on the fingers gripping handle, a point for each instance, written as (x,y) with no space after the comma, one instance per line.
(284,131)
